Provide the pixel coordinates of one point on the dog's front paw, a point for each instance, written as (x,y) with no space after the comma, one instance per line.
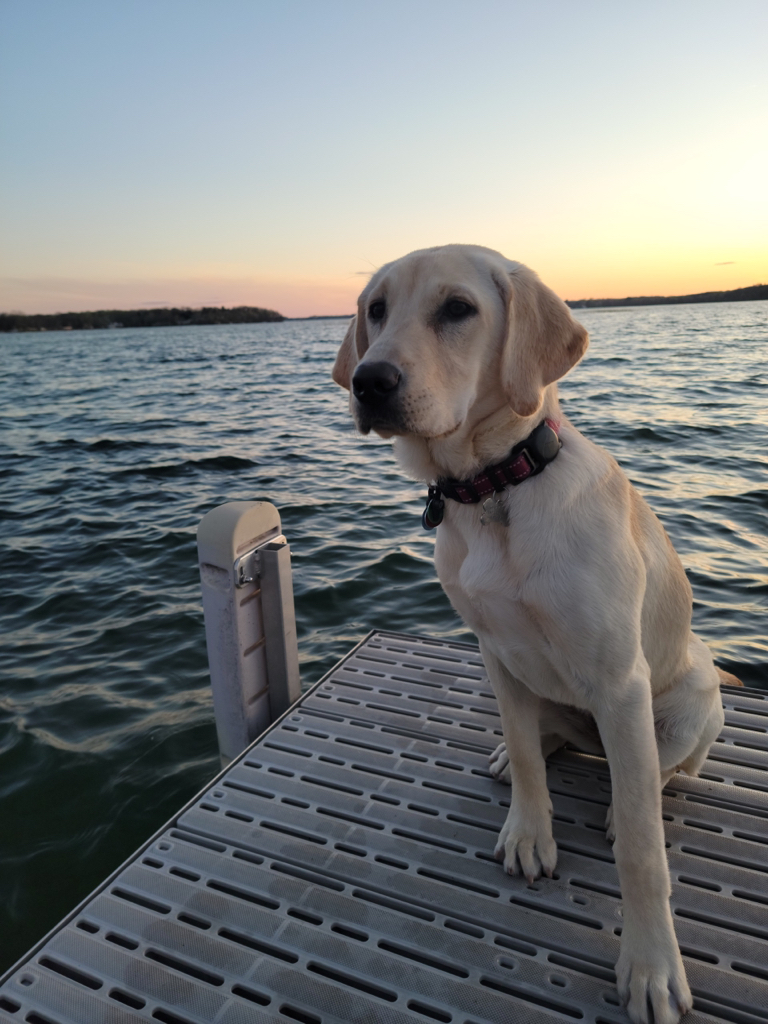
(527,847)
(498,764)
(651,980)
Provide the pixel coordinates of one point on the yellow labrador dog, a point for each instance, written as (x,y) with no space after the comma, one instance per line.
(580,604)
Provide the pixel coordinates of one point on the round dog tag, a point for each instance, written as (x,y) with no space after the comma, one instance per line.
(432,515)
(546,442)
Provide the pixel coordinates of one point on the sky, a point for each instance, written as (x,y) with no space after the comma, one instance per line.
(276,152)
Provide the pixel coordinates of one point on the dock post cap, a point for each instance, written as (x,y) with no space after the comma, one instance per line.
(250,622)
(230,530)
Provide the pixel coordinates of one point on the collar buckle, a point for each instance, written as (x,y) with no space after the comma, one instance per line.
(534,464)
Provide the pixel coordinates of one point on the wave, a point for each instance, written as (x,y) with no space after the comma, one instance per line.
(226,463)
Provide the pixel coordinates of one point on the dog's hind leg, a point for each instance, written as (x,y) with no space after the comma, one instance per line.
(688,719)
(498,762)
(689,716)
(558,725)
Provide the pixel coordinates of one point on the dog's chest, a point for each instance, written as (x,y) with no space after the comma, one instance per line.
(479,569)
(490,586)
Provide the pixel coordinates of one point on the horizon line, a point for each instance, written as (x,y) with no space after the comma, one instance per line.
(647,300)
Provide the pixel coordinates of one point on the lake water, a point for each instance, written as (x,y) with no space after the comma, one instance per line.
(113,446)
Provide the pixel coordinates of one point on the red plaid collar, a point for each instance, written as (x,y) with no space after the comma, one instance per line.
(528,458)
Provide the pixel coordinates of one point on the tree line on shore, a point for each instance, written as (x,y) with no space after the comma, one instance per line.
(182,317)
(755,291)
(115,318)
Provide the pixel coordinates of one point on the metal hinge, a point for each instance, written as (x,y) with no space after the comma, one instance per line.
(247,567)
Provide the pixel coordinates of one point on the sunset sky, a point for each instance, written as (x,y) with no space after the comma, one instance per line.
(275,152)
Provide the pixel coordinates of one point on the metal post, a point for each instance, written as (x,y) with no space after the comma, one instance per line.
(250,627)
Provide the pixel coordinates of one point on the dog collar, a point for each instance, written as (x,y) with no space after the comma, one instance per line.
(527,459)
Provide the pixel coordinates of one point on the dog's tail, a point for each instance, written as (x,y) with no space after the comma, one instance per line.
(726,679)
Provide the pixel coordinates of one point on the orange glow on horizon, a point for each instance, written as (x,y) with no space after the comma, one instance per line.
(335,296)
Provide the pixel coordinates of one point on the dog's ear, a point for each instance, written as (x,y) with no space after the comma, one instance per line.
(542,342)
(353,348)
(346,358)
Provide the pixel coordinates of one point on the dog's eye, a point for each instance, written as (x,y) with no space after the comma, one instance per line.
(457,309)
(377,310)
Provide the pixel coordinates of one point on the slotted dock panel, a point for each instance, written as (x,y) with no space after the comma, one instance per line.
(342,870)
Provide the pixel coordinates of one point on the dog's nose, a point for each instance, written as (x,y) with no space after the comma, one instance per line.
(374,382)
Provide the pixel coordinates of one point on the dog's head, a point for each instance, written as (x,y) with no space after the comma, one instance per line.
(448,335)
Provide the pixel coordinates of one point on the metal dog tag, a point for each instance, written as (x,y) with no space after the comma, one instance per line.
(494,510)
(546,442)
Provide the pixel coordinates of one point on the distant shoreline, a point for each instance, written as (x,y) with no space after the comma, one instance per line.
(323,316)
(19,323)
(754,292)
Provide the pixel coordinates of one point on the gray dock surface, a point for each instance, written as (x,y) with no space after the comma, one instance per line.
(342,870)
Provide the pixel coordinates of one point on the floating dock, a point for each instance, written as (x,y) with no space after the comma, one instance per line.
(341,869)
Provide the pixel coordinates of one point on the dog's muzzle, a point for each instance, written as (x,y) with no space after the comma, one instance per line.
(376,386)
